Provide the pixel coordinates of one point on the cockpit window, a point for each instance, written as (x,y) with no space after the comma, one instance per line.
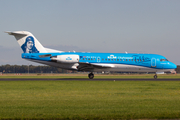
(163,59)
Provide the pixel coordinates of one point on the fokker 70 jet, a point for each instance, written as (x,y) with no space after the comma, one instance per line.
(90,62)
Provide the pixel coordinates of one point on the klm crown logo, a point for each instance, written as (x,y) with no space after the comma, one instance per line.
(68,58)
(112,57)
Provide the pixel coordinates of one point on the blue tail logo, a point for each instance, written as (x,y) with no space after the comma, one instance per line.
(29,46)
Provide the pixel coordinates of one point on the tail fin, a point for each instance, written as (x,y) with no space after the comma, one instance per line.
(28,42)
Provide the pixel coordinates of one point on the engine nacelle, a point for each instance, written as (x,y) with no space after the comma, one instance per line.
(66,58)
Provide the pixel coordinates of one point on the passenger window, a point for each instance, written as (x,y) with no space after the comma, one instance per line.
(117,59)
(114,59)
(89,59)
(83,58)
(106,59)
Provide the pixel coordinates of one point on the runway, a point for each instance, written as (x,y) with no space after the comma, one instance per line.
(83,79)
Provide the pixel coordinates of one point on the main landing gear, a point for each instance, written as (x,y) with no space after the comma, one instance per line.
(155,76)
(91,75)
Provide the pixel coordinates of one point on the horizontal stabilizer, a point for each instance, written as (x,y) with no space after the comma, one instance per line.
(16,33)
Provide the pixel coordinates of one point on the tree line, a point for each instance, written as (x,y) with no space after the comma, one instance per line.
(40,69)
(31,69)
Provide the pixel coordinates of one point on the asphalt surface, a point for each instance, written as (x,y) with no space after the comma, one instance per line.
(83,79)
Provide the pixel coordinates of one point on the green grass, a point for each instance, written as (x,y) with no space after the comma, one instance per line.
(89,99)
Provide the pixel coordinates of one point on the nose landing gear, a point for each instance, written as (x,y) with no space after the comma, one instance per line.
(155,76)
(91,75)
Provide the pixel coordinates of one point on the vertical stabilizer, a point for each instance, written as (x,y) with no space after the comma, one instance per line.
(28,42)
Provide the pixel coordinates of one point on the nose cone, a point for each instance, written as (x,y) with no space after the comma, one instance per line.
(172,65)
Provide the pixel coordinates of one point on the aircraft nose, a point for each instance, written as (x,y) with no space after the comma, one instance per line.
(172,65)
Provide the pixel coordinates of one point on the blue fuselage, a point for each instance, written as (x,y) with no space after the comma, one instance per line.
(117,60)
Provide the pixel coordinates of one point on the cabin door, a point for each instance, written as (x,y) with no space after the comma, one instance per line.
(153,62)
(98,59)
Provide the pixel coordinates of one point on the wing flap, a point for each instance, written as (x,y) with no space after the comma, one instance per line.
(93,66)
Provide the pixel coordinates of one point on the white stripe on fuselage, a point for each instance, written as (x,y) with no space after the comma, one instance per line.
(130,68)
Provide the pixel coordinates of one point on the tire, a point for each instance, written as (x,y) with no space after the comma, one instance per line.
(155,76)
(91,76)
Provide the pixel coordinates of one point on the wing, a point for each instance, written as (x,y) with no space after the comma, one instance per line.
(93,67)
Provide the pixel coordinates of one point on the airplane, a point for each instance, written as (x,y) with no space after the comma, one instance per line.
(90,62)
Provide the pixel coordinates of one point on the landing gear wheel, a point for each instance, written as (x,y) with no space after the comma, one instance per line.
(155,76)
(91,75)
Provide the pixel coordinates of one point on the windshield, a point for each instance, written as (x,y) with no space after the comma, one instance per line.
(163,59)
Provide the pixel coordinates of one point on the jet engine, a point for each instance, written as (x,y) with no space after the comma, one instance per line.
(66,58)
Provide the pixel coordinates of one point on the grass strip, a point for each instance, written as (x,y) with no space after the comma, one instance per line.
(89,99)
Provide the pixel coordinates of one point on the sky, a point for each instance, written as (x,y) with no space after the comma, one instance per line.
(116,26)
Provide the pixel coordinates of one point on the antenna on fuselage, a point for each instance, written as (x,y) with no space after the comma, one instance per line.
(126,52)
